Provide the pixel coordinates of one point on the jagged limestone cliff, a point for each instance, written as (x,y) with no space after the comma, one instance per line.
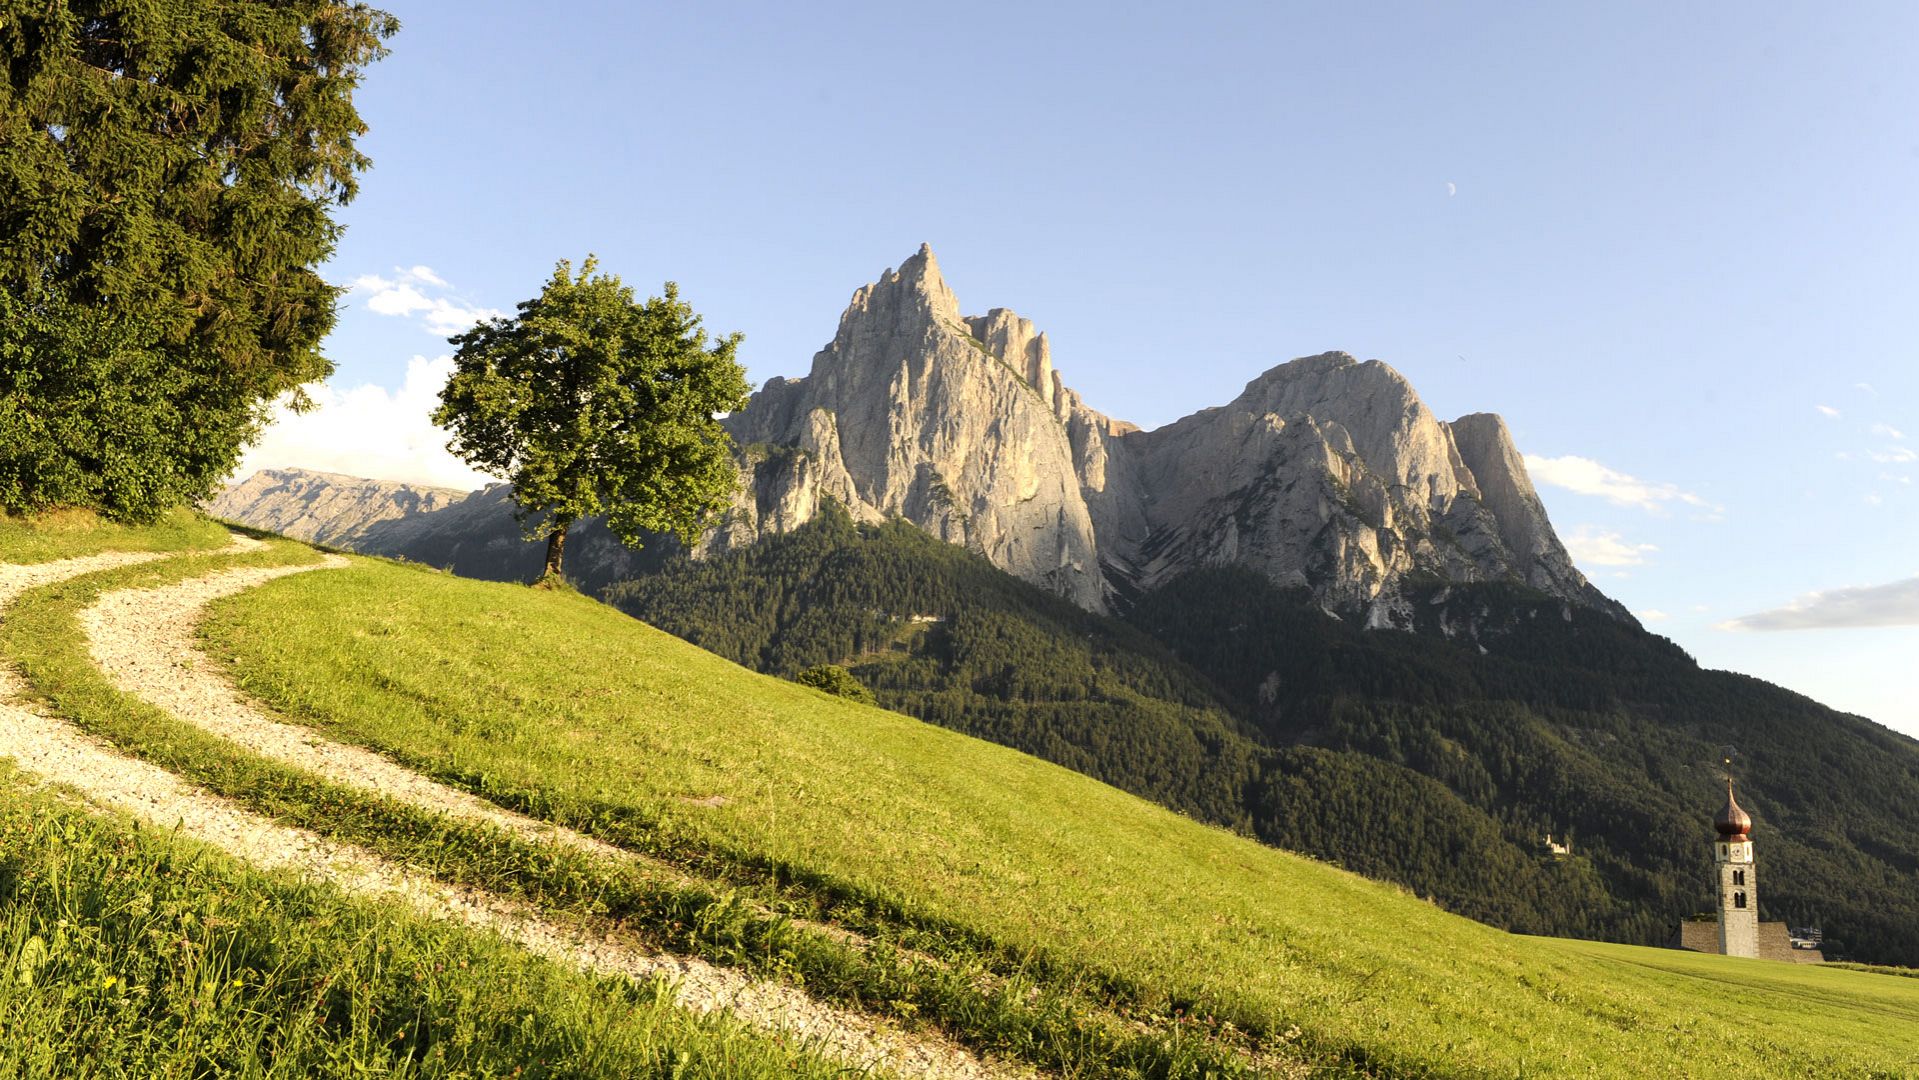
(911,412)
(1325,473)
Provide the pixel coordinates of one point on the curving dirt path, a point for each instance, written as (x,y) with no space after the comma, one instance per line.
(58,751)
(145,642)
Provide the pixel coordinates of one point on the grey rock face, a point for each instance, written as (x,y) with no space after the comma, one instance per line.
(326,508)
(915,411)
(1331,474)
(1539,559)
(1326,472)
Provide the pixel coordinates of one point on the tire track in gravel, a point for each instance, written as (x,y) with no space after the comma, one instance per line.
(58,751)
(146,642)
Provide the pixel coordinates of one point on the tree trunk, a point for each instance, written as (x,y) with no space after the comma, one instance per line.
(555,547)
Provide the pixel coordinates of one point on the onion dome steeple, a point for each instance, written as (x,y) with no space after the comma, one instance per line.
(1732,822)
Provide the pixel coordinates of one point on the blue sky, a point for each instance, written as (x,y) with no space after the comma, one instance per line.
(1677,246)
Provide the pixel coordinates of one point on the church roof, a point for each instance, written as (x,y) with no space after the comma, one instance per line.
(1732,822)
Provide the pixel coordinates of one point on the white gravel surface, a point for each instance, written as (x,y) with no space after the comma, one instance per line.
(59,752)
(145,641)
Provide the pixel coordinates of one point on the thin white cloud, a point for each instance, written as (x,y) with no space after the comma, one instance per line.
(1590,545)
(1827,410)
(1451,189)
(1895,455)
(1867,387)
(1652,615)
(392,298)
(1892,604)
(1887,431)
(1584,476)
(1873,499)
(368,431)
(446,318)
(401,296)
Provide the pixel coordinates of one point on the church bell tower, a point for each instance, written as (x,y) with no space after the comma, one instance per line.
(1738,883)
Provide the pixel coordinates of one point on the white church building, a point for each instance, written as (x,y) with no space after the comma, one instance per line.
(1737,931)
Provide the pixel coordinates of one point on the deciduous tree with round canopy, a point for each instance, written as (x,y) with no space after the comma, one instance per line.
(167,172)
(592,403)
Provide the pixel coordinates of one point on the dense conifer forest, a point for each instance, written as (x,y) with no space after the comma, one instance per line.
(1439,759)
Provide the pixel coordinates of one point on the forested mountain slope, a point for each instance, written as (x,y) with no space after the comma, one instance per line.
(1439,759)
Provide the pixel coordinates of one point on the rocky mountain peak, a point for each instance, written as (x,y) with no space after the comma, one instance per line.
(1505,490)
(914,410)
(903,302)
(1326,472)
(1392,430)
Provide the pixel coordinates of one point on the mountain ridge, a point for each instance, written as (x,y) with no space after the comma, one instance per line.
(1325,472)
(324,507)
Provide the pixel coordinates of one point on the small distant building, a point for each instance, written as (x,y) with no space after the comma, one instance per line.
(1735,929)
(1556,849)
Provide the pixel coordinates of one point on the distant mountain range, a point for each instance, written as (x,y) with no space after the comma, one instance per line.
(1213,638)
(325,508)
(1325,473)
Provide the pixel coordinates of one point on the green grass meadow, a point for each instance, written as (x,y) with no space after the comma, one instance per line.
(1051,1025)
(67,534)
(131,952)
(555,704)
(128,951)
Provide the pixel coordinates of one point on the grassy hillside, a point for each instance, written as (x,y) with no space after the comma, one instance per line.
(67,534)
(134,952)
(130,953)
(556,704)
(1438,759)
(1008,662)
(1553,718)
(706,913)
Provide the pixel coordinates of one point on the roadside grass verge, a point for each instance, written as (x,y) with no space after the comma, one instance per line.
(1050,1025)
(561,707)
(67,534)
(131,952)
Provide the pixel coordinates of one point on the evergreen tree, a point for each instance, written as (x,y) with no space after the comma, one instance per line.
(167,172)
